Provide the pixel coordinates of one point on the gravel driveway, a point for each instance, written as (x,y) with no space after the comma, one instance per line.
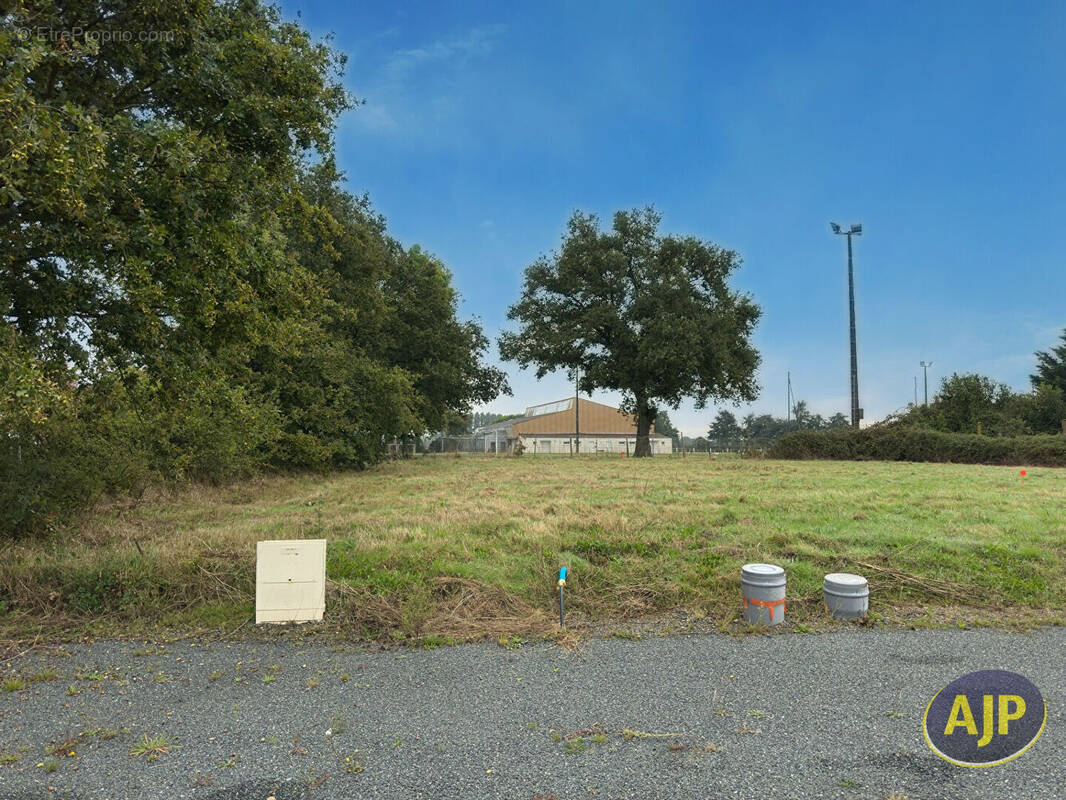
(836,715)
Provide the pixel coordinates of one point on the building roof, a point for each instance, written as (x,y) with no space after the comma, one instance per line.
(550,408)
(557,419)
(503,425)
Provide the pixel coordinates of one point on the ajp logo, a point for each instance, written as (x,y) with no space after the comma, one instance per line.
(984,718)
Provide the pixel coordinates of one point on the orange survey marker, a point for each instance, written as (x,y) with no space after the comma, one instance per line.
(771,604)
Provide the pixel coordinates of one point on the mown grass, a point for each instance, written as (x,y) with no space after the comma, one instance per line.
(470,546)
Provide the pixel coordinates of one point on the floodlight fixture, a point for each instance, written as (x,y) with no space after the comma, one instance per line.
(857,229)
(834,227)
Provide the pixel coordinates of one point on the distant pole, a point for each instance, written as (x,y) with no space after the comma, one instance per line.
(788,402)
(577,411)
(915,391)
(925,376)
(854,230)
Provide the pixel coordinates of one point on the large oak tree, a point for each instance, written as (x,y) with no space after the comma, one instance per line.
(646,314)
(186,288)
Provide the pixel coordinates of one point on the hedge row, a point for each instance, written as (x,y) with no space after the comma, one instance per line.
(901,443)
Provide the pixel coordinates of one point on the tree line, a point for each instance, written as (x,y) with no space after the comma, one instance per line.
(758,430)
(186,288)
(963,403)
(972,403)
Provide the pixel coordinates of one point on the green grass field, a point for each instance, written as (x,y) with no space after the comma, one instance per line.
(464,547)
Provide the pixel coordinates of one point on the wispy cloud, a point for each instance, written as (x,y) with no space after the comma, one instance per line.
(450,52)
(411,87)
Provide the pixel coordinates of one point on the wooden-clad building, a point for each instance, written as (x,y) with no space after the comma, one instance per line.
(555,428)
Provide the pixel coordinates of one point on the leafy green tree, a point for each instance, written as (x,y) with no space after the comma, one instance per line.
(801,415)
(664,427)
(503,418)
(161,240)
(392,359)
(1051,366)
(28,395)
(481,418)
(1040,411)
(760,430)
(143,229)
(964,401)
(185,289)
(457,424)
(968,403)
(649,315)
(725,431)
(424,336)
(1048,409)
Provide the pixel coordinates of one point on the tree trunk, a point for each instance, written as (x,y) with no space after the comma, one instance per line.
(644,420)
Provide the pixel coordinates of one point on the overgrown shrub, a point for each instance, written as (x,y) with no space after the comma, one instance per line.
(120,435)
(908,443)
(190,301)
(971,403)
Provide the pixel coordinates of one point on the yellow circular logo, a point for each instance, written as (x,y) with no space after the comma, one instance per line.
(984,718)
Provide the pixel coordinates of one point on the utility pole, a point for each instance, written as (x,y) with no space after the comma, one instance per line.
(925,373)
(856,412)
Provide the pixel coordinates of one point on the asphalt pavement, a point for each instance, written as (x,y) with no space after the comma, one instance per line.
(835,715)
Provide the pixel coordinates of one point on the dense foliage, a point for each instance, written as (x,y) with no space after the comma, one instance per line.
(186,290)
(910,443)
(665,427)
(646,314)
(976,404)
(758,431)
(1051,366)
(972,419)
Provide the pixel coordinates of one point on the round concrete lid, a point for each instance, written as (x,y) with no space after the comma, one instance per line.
(767,576)
(845,579)
(844,584)
(762,570)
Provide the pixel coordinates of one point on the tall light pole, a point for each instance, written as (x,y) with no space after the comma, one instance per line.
(925,378)
(788,402)
(856,412)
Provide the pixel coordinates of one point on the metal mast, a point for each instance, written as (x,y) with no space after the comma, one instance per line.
(856,412)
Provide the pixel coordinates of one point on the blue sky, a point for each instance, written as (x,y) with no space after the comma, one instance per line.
(940,126)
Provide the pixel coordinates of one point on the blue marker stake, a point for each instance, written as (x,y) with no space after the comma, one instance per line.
(562,584)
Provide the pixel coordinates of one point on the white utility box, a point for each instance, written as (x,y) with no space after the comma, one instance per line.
(290,580)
